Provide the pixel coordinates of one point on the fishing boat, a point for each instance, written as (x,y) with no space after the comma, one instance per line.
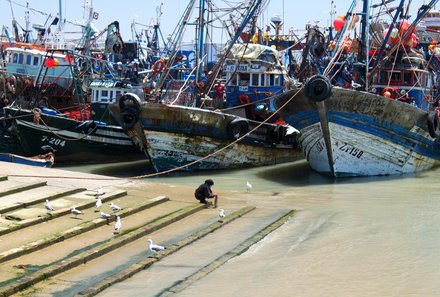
(46,160)
(254,75)
(175,137)
(379,121)
(200,137)
(80,135)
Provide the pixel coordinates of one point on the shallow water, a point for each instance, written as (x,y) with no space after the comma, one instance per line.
(375,236)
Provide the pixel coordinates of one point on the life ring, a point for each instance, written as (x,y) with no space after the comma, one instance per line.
(244,99)
(158,66)
(237,128)
(433,125)
(318,88)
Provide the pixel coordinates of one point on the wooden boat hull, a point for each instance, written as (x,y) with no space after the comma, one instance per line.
(169,150)
(72,141)
(190,139)
(360,134)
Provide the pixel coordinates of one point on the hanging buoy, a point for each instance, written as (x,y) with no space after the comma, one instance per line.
(55,63)
(338,23)
(387,94)
(69,58)
(49,62)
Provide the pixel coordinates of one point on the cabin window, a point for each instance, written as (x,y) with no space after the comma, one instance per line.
(104,94)
(418,78)
(276,80)
(244,79)
(118,93)
(234,80)
(407,78)
(97,95)
(111,96)
(28,60)
(396,77)
(383,78)
(271,80)
(255,79)
(20,58)
(36,61)
(262,80)
(15,58)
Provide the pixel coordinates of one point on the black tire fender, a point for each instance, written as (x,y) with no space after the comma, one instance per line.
(130,100)
(237,128)
(318,88)
(275,134)
(129,117)
(90,127)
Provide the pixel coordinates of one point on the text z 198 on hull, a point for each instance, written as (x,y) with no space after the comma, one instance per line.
(354,133)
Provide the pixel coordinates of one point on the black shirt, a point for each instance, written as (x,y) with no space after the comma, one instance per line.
(203,191)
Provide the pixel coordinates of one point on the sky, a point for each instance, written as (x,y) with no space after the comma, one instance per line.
(296,13)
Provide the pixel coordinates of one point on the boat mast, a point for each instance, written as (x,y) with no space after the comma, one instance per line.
(365,33)
(200,40)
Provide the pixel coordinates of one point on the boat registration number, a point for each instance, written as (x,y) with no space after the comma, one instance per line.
(349,149)
(53,141)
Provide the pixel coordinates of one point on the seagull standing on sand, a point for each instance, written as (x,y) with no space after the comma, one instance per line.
(221,214)
(118,224)
(154,248)
(114,207)
(248,186)
(75,211)
(48,206)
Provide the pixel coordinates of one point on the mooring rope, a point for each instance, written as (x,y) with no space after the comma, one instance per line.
(174,169)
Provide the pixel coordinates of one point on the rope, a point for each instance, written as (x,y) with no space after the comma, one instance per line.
(174,169)
(223,148)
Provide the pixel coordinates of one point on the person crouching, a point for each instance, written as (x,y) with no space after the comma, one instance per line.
(204,192)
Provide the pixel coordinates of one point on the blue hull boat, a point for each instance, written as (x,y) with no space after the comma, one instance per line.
(40,160)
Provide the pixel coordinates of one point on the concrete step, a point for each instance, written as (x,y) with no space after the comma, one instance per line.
(58,192)
(169,271)
(9,270)
(12,187)
(68,226)
(102,272)
(18,199)
(62,200)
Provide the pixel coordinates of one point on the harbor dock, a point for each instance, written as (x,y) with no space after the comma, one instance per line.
(41,249)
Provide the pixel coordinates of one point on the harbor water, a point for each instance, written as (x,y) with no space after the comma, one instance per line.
(376,236)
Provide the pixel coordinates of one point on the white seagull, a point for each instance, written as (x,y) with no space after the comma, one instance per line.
(48,206)
(99,191)
(118,224)
(114,207)
(75,211)
(154,248)
(105,215)
(98,203)
(248,186)
(221,214)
